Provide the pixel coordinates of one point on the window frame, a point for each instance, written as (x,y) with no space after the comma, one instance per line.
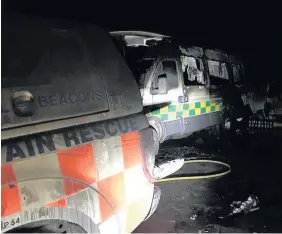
(156,74)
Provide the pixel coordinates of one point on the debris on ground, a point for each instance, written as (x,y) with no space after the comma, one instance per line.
(211,199)
(193,217)
(211,228)
(175,151)
(166,168)
(237,207)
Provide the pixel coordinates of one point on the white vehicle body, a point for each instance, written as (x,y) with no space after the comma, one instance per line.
(180,85)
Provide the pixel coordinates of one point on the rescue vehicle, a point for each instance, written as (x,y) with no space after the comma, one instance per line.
(185,89)
(76,150)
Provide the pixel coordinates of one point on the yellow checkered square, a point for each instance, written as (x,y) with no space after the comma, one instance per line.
(191,106)
(179,108)
(197,111)
(208,109)
(203,103)
(217,108)
(172,115)
(185,113)
(164,110)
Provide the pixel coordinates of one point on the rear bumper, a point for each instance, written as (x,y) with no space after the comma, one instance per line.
(155,202)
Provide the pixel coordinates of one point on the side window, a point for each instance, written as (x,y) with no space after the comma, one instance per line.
(170,69)
(223,71)
(218,69)
(214,68)
(193,70)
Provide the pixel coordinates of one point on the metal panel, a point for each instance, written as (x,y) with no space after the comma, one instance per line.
(216,55)
(173,127)
(48,74)
(215,118)
(200,122)
(193,51)
(91,69)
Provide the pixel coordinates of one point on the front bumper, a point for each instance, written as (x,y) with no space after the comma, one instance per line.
(155,202)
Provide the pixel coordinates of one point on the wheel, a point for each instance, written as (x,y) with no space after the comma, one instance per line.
(61,227)
(55,226)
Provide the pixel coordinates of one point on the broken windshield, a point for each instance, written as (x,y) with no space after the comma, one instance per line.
(139,62)
(139,69)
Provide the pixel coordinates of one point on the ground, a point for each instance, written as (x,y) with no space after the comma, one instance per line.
(188,206)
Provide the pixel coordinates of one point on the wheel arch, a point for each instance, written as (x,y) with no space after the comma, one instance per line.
(158,125)
(44,215)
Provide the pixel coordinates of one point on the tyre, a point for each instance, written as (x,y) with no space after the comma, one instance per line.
(55,226)
(61,227)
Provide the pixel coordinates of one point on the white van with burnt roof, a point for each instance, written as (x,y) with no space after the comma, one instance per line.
(181,86)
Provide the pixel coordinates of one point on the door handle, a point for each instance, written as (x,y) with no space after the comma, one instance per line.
(182,99)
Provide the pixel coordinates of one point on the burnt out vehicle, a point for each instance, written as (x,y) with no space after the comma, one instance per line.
(265,106)
(185,89)
(76,148)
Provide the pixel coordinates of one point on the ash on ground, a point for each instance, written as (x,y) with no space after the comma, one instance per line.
(196,205)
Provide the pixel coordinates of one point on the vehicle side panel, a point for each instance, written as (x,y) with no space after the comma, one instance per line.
(94,170)
(196,115)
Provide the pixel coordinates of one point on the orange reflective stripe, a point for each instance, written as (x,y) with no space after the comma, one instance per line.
(131,149)
(113,166)
(113,189)
(77,163)
(7,174)
(10,200)
(60,203)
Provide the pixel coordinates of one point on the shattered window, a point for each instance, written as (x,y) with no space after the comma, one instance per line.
(223,71)
(218,69)
(192,62)
(169,68)
(192,69)
(138,62)
(139,70)
(214,68)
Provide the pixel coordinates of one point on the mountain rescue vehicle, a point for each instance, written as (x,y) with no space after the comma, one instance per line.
(77,152)
(184,88)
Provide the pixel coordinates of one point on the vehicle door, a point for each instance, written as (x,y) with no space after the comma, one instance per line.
(165,84)
(198,112)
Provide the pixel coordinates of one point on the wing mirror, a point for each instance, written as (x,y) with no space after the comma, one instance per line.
(162,84)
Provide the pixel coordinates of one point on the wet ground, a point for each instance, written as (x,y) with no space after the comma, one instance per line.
(188,206)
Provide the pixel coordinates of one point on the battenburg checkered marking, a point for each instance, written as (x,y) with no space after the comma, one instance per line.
(175,111)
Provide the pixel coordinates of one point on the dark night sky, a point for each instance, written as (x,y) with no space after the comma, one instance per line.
(253,32)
